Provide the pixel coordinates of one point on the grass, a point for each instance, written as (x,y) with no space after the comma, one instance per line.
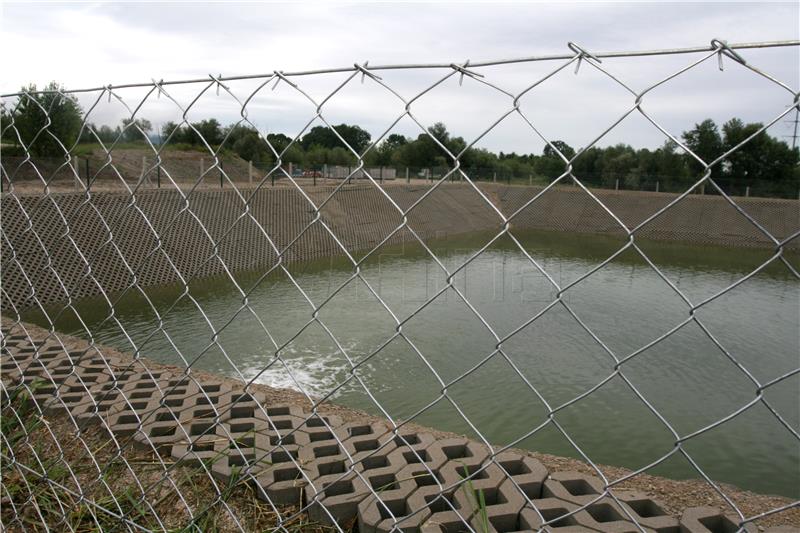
(44,496)
(478,500)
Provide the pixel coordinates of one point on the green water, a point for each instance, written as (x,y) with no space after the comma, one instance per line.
(686,377)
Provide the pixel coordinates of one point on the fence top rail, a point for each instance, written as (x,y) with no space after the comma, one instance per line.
(575,50)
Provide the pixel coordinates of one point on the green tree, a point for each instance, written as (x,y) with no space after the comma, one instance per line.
(670,166)
(424,150)
(387,149)
(131,129)
(316,156)
(761,160)
(619,163)
(567,150)
(279,141)
(550,165)
(293,154)
(172,132)
(60,114)
(209,129)
(247,144)
(705,141)
(357,138)
(340,156)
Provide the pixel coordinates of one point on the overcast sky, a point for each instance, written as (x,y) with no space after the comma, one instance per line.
(93,44)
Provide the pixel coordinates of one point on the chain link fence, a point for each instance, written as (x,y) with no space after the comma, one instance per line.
(99,439)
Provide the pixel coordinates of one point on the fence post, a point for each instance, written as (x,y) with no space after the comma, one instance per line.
(77,169)
(494,177)
(220,173)
(408,179)
(703,189)
(616,185)
(314,177)
(202,165)
(381,174)
(747,192)
(657,186)
(291,169)
(250,172)
(325,172)
(158,176)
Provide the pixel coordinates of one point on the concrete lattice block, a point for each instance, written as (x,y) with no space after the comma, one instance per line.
(461,450)
(710,520)
(551,511)
(605,515)
(379,461)
(281,423)
(338,494)
(269,412)
(647,511)
(417,449)
(282,483)
(526,472)
(388,503)
(323,424)
(70,396)
(455,456)
(128,416)
(441,510)
(412,512)
(179,394)
(361,439)
(323,456)
(407,439)
(437,504)
(243,455)
(206,448)
(495,507)
(573,487)
(163,426)
(102,400)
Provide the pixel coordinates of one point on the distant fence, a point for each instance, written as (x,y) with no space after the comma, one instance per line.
(136,168)
(96,439)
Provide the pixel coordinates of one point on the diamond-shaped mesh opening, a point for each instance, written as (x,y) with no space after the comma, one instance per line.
(265,290)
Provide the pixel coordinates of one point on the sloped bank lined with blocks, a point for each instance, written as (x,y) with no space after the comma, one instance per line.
(343,469)
(60,247)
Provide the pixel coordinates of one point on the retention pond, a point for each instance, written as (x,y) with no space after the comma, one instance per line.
(689,377)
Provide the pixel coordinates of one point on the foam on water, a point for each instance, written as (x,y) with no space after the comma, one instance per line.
(314,370)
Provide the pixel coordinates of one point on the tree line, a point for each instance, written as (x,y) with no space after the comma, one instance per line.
(763,160)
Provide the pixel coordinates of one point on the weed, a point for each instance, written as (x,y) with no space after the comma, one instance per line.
(478,500)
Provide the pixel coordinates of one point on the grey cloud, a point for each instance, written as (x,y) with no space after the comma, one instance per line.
(138,42)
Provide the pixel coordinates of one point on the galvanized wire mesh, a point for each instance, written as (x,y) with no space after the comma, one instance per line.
(290,432)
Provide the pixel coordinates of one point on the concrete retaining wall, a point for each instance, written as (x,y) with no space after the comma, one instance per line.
(62,245)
